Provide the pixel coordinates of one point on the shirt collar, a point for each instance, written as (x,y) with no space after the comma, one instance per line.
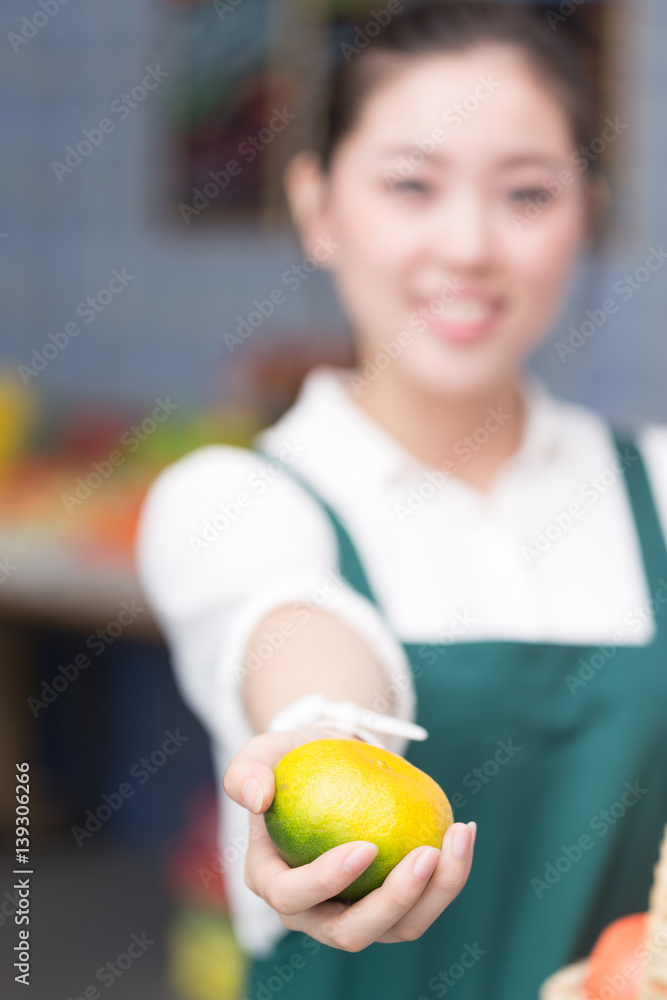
(541,430)
(337,435)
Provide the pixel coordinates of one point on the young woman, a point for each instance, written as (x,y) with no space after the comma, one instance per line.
(432,537)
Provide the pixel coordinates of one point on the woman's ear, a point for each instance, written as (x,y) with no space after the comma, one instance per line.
(306,188)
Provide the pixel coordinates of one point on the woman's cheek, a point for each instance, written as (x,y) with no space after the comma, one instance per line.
(367,297)
(377,236)
(544,262)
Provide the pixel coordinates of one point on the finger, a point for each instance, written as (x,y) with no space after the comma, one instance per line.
(370,918)
(292,890)
(374,917)
(443,886)
(249,778)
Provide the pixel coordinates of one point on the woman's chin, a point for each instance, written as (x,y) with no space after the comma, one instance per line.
(460,380)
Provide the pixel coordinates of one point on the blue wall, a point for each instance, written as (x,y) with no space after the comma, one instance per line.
(163,333)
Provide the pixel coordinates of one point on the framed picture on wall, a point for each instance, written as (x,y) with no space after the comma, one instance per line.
(251,83)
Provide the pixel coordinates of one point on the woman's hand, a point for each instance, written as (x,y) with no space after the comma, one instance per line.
(412,896)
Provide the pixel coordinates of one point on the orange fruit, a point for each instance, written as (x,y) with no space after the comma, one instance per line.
(618,959)
(332,791)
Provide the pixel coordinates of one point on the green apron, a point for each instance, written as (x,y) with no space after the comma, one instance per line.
(559,752)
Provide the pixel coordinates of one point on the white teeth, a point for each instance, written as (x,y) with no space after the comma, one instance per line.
(463,311)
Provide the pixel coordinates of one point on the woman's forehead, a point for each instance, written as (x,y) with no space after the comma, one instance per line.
(487,95)
(452,89)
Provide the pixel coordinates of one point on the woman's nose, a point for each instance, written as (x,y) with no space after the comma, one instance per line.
(461,233)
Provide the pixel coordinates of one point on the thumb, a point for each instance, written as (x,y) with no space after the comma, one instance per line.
(249,779)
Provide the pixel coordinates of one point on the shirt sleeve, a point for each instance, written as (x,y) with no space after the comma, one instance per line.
(223,540)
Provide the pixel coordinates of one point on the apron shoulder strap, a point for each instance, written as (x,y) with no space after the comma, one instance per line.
(646,517)
(349,562)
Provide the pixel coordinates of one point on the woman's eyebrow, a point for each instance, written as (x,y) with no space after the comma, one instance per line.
(530,159)
(406,149)
(439,154)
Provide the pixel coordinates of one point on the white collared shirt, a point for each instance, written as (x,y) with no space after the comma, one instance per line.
(548,554)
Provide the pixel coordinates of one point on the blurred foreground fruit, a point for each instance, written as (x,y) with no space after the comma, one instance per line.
(332,791)
(617,960)
(629,960)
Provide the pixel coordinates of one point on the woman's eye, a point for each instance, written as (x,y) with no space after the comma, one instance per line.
(405,186)
(539,196)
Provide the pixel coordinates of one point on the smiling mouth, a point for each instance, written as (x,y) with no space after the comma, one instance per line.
(466,320)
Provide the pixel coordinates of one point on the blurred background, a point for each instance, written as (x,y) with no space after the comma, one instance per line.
(142,233)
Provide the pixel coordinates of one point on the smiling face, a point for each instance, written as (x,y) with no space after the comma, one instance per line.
(454,218)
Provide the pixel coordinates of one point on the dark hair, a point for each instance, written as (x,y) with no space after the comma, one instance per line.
(454,26)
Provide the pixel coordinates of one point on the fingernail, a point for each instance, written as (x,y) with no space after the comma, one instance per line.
(473,827)
(360,858)
(461,842)
(252,795)
(426,863)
